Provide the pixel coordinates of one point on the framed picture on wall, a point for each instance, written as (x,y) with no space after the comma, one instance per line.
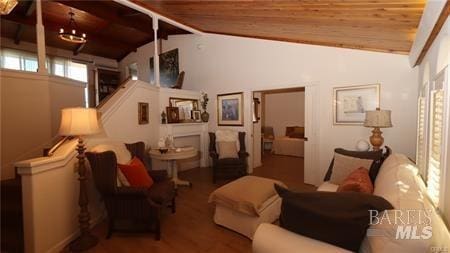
(173,114)
(196,115)
(351,103)
(143,113)
(230,109)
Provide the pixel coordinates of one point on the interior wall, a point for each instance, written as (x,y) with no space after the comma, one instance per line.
(31,103)
(223,64)
(284,109)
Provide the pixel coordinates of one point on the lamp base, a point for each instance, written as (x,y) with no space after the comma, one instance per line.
(84,242)
(376,139)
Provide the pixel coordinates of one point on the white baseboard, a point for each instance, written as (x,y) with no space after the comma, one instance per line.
(62,244)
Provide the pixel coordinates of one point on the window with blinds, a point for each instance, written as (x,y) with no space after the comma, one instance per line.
(436,138)
(421,158)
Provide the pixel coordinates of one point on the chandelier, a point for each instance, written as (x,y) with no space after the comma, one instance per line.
(6,6)
(70,34)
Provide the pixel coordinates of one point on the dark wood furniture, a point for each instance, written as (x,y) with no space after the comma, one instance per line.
(228,167)
(108,81)
(143,205)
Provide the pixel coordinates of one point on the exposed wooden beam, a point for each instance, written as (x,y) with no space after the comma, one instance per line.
(30,10)
(434,33)
(78,48)
(99,9)
(91,35)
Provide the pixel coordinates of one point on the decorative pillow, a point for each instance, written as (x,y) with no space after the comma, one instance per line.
(136,173)
(344,165)
(121,179)
(123,155)
(299,132)
(357,181)
(375,156)
(338,218)
(227,149)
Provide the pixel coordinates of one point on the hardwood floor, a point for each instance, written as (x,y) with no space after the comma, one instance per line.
(191,229)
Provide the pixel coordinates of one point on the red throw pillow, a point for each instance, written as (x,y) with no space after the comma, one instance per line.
(136,173)
(357,181)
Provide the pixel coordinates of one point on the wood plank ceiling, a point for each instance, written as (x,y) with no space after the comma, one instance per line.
(113,30)
(377,25)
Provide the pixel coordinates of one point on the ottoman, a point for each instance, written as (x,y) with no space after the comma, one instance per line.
(242,205)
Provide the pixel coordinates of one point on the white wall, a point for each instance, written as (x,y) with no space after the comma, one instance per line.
(31,105)
(222,64)
(284,109)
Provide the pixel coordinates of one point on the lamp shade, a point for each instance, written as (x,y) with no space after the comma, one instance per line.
(6,6)
(78,121)
(378,118)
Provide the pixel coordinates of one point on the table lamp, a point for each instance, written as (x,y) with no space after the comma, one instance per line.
(377,119)
(80,122)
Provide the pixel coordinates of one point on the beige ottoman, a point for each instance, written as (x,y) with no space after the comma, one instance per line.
(245,203)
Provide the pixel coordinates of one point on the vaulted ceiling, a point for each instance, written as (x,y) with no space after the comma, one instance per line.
(113,30)
(378,25)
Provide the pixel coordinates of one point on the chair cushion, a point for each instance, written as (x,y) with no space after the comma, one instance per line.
(162,192)
(123,156)
(227,135)
(343,165)
(136,173)
(357,181)
(227,149)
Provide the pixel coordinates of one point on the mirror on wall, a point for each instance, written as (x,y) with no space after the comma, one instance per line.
(186,106)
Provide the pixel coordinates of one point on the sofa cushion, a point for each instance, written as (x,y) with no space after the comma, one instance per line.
(357,181)
(344,165)
(327,187)
(375,156)
(339,218)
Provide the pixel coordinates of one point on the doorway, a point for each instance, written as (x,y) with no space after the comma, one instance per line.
(279,135)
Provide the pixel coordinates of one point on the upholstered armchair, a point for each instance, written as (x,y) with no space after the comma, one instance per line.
(228,167)
(131,203)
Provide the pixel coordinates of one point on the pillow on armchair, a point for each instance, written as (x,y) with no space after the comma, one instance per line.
(227,149)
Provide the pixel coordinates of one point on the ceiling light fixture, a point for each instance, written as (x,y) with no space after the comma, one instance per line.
(6,6)
(70,34)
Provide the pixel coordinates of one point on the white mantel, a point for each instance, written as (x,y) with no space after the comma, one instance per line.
(189,129)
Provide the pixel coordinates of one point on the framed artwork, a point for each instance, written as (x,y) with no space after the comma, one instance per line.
(230,109)
(168,68)
(256,116)
(196,115)
(173,114)
(143,113)
(351,103)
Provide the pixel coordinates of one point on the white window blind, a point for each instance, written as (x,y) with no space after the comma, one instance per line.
(421,135)
(436,134)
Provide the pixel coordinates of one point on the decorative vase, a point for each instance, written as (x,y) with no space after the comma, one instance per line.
(205,116)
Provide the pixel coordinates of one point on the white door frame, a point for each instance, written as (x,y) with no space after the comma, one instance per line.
(312,120)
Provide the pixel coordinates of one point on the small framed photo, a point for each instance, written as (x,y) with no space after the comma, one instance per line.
(351,103)
(173,114)
(196,116)
(230,109)
(143,113)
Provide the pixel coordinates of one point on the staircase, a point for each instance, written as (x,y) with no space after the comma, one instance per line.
(11,216)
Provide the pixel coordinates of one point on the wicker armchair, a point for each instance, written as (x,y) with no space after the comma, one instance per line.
(228,167)
(131,203)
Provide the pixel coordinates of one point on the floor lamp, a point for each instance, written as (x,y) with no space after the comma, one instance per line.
(80,122)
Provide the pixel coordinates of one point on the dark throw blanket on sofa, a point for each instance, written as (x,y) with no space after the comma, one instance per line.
(338,218)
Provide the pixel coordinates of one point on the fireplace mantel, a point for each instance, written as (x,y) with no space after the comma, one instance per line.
(189,129)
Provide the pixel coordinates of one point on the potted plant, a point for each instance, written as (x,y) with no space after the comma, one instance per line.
(204,102)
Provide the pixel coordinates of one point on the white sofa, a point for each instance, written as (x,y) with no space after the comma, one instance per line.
(397,182)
